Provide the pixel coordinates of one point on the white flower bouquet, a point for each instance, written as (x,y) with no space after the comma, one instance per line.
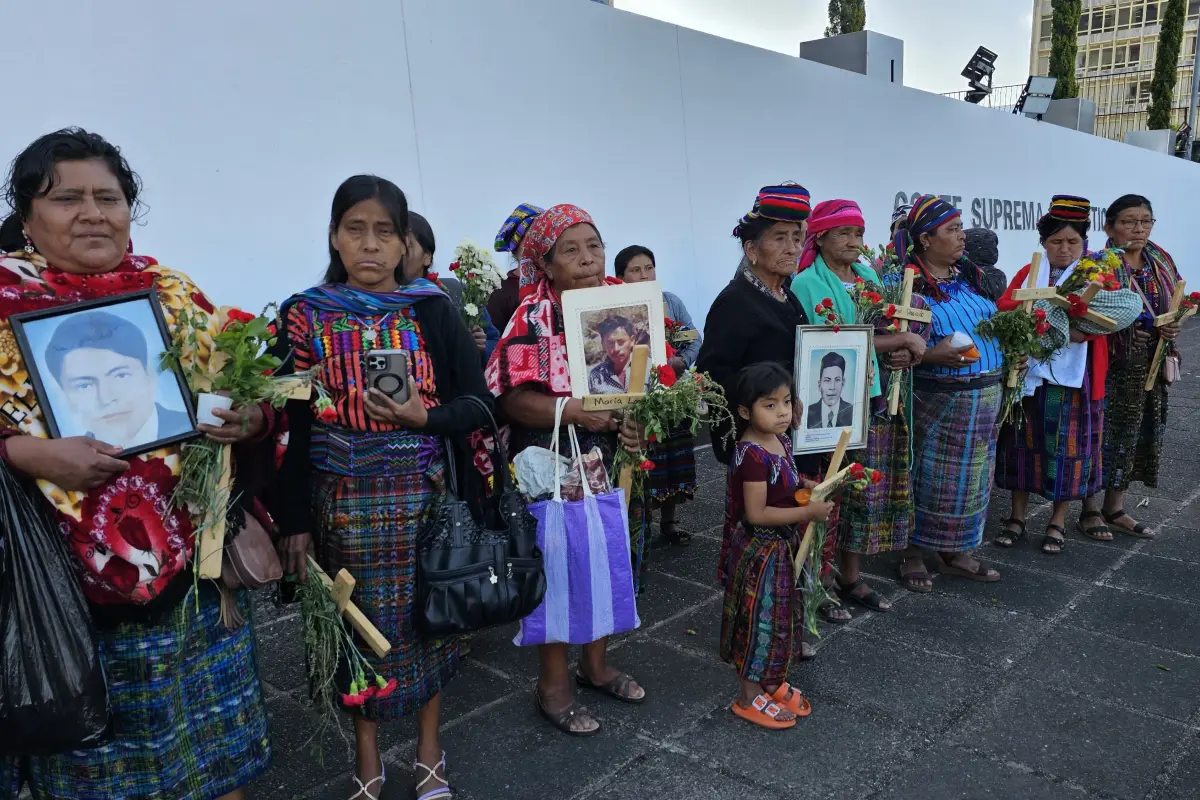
(479,276)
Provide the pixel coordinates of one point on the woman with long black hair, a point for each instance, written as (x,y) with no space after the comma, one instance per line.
(358,486)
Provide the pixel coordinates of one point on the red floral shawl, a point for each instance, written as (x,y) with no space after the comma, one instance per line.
(129,544)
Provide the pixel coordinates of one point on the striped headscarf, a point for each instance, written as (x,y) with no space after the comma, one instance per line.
(825,217)
(928,213)
(788,202)
(515,227)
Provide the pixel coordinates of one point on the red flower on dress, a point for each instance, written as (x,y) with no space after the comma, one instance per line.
(120,575)
(202,301)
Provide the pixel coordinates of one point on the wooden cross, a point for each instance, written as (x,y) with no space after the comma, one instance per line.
(1027,296)
(637,378)
(823,490)
(1172,315)
(689,335)
(906,313)
(210,547)
(340,589)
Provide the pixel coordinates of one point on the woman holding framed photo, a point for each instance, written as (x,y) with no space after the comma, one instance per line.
(878,518)
(529,372)
(74,197)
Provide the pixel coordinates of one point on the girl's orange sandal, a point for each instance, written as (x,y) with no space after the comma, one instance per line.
(791,699)
(763,713)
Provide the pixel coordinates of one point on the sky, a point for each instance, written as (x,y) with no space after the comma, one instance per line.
(939,36)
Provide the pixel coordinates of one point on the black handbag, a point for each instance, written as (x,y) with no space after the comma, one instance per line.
(473,573)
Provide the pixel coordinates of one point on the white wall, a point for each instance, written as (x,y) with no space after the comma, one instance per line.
(242,117)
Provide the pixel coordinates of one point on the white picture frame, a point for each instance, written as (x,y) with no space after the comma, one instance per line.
(589,317)
(832,386)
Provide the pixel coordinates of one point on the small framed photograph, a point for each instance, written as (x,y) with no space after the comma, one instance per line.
(833,386)
(97,369)
(603,325)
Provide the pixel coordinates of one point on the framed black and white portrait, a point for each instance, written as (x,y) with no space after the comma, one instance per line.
(98,370)
(833,386)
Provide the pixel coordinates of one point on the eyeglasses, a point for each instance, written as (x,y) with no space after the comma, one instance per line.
(1134,224)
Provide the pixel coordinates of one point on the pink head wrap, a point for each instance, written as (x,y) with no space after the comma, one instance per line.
(825,217)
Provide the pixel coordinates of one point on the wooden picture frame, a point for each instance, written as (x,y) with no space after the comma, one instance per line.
(607,322)
(121,388)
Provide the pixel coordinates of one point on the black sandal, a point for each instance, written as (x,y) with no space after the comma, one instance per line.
(919,581)
(1049,541)
(674,536)
(871,600)
(562,719)
(1139,529)
(1094,532)
(826,609)
(1007,537)
(617,688)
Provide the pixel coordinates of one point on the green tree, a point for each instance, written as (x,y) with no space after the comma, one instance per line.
(1166,65)
(1064,46)
(846,16)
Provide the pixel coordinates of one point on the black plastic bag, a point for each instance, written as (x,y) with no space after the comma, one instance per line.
(53,696)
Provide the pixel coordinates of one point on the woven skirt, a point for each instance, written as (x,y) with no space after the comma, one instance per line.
(762,605)
(1134,423)
(1057,451)
(368,526)
(189,721)
(954,445)
(674,475)
(879,518)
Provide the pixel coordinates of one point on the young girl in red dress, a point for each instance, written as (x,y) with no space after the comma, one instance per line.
(762,531)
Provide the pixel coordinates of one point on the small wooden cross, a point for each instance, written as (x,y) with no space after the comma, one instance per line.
(1172,315)
(210,547)
(340,589)
(689,335)
(906,313)
(823,490)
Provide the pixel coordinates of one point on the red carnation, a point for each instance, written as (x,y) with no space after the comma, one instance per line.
(327,414)
(1195,297)
(1112,285)
(1073,298)
(1077,310)
(827,302)
(646,466)
(667,376)
(876,476)
(891,311)
(1039,314)
(1042,328)
(354,700)
(387,689)
(455,267)
(272,330)
(859,280)
(202,301)
(837,328)
(670,351)
(650,437)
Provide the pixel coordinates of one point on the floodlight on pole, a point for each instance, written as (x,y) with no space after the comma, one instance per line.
(1036,96)
(978,73)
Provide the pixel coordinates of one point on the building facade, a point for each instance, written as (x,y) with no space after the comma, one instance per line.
(1118,42)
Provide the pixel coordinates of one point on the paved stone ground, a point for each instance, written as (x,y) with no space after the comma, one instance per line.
(1076,676)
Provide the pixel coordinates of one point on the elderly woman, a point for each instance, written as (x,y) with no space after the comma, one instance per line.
(422,245)
(528,372)
(505,299)
(359,510)
(674,477)
(956,400)
(1134,419)
(879,518)
(754,319)
(1056,451)
(161,640)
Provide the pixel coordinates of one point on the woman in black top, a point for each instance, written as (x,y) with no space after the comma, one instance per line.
(754,318)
